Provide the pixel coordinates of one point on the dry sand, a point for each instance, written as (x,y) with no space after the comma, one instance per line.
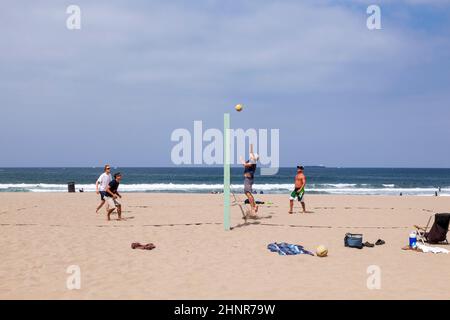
(43,234)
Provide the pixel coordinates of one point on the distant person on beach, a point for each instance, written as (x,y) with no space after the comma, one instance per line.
(111,197)
(299,191)
(101,185)
(249,177)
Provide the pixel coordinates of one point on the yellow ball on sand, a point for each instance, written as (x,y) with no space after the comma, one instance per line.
(321,251)
(239,107)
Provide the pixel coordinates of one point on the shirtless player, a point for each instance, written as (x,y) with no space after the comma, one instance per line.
(299,191)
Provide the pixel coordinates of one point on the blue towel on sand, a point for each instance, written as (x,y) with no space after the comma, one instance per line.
(286,249)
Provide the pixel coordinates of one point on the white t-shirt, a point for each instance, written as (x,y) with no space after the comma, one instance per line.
(104,181)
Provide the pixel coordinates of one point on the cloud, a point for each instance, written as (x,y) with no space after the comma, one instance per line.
(305,47)
(159,65)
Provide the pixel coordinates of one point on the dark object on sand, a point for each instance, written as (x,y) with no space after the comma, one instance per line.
(257,202)
(353,240)
(380,242)
(148,246)
(71,187)
(438,231)
(368,244)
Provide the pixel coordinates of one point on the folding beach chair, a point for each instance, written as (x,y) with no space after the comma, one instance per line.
(237,201)
(438,231)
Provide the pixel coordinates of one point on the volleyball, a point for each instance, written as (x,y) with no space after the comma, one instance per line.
(321,251)
(238,107)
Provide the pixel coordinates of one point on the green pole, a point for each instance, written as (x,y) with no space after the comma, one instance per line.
(226,171)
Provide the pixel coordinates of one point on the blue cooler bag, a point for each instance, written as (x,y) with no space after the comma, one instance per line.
(353,240)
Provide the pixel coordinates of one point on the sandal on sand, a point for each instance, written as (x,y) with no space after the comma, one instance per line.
(137,245)
(380,242)
(369,245)
(149,246)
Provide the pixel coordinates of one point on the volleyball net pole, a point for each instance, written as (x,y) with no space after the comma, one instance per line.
(226,171)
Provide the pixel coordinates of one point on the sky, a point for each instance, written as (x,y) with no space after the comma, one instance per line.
(115,90)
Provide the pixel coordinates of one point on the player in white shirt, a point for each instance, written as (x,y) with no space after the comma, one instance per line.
(101,185)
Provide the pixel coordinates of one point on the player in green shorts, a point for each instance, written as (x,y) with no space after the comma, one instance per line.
(299,191)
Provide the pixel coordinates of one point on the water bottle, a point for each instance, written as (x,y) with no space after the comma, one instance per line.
(413,240)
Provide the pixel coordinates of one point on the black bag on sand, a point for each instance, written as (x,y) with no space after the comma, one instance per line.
(353,240)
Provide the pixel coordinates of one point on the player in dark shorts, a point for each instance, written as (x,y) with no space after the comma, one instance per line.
(111,197)
(101,185)
(249,178)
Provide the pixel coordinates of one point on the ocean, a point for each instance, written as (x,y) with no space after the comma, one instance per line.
(339,181)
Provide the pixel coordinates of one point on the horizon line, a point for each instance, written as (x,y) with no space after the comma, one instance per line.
(215,167)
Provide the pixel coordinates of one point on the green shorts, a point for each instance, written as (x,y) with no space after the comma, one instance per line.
(298,194)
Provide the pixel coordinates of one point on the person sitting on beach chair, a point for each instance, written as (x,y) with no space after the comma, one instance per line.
(438,231)
(111,197)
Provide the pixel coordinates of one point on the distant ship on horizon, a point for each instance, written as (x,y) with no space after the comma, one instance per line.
(320,166)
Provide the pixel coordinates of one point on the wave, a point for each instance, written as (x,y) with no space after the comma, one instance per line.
(338,189)
(352,185)
(43,187)
(339,185)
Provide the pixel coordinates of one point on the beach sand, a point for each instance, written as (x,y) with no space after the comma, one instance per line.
(43,234)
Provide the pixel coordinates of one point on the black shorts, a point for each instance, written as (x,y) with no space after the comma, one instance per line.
(102,195)
(248,185)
